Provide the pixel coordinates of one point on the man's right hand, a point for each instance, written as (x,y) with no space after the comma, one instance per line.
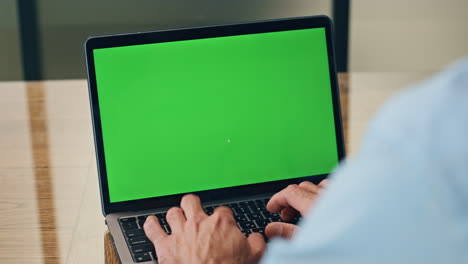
(294,199)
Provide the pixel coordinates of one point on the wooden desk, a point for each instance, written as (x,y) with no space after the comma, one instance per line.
(110,254)
(49,196)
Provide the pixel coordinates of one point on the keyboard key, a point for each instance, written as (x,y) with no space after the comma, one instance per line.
(241,218)
(259,203)
(246,232)
(234,205)
(141,257)
(241,210)
(142,248)
(255,216)
(267,214)
(257,208)
(246,225)
(134,233)
(129,225)
(276,219)
(142,218)
(141,223)
(126,220)
(237,211)
(258,230)
(262,222)
(295,220)
(162,218)
(138,240)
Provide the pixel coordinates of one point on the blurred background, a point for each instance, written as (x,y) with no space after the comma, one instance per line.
(49,196)
(44,39)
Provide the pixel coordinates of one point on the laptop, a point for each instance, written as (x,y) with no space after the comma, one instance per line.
(232,113)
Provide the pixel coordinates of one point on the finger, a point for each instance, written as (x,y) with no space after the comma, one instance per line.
(153,230)
(309,186)
(277,229)
(323,183)
(224,213)
(176,219)
(257,245)
(223,210)
(192,207)
(292,196)
(288,213)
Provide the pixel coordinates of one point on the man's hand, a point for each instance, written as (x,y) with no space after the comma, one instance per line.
(289,202)
(199,238)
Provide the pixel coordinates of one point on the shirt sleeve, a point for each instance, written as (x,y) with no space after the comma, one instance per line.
(404,197)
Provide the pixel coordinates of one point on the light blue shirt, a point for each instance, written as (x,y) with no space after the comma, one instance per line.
(404,197)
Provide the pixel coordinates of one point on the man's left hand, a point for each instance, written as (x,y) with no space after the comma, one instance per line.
(199,238)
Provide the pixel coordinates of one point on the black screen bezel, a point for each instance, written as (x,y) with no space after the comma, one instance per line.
(199,33)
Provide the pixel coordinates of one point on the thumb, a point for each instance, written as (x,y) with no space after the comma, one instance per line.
(278,229)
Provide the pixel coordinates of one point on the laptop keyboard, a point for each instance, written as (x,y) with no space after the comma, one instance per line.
(251,216)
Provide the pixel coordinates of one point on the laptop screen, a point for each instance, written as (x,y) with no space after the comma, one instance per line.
(211,113)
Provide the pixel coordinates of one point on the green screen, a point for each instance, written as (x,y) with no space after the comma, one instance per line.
(210,113)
